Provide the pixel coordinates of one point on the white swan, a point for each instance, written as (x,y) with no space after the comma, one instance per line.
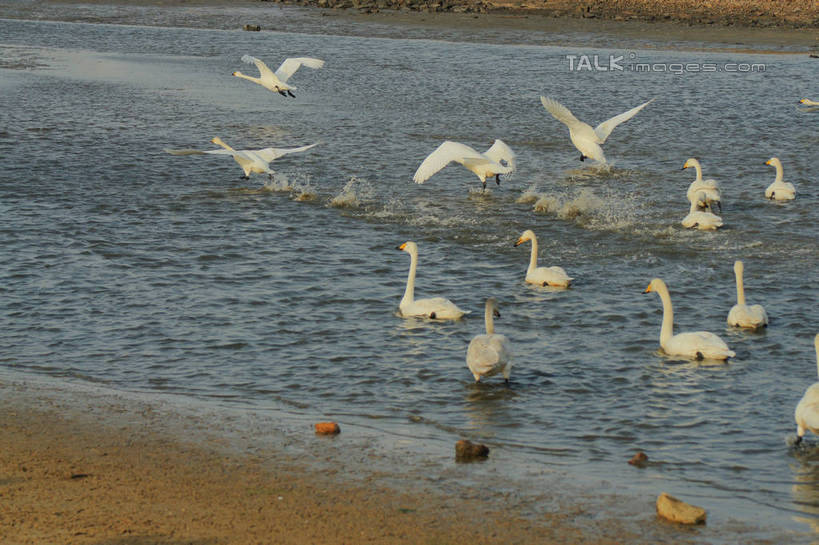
(542,276)
(808,102)
(278,81)
(585,138)
(810,105)
(257,161)
(489,354)
(697,344)
(701,219)
(497,160)
(779,190)
(807,411)
(709,187)
(742,315)
(436,308)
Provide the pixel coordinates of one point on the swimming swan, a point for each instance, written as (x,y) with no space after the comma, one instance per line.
(250,160)
(497,160)
(742,315)
(436,308)
(779,190)
(807,411)
(278,81)
(489,354)
(542,276)
(708,187)
(701,219)
(697,345)
(584,138)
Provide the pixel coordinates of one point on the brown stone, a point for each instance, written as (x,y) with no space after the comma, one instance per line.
(252,28)
(327,428)
(466,451)
(676,510)
(640,459)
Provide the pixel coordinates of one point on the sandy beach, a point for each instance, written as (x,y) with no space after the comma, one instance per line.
(93,467)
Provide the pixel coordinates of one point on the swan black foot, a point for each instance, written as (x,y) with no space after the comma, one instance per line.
(484,185)
(700,357)
(582,157)
(244,177)
(282,93)
(497,179)
(291,94)
(798,440)
(432,315)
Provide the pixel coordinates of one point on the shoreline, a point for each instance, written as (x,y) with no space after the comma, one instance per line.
(519,22)
(85,465)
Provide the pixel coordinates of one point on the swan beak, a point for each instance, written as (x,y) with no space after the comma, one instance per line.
(648,289)
(234,73)
(401,247)
(519,242)
(768,162)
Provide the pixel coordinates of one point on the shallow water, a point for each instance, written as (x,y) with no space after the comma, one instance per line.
(132,268)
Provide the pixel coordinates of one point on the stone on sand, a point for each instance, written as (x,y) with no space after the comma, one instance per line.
(676,510)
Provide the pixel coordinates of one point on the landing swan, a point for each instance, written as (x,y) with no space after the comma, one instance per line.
(807,411)
(742,315)
(436,308)
(497,160)
(779,190)
(585,138)
(697,345)
(278,81)
(708,187)
(701,219)
(489,354)
(250,160)
(542,276)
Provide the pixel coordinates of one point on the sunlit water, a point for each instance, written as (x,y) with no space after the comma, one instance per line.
(126,266)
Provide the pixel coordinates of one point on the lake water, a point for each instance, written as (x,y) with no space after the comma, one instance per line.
(130,268)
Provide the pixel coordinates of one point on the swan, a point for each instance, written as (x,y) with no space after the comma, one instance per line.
(585,138)
(436,308)
(701,219)
(779,190)
(698,344)
(742,315)
(278,81)
(497,160)
(489,354)
(250,160)
(807,411)
(808,102)
(708,187)
(542,276)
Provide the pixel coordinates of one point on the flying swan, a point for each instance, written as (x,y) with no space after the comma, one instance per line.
(701,219)
(250,160)
(708,187)
(696,345)
(278,81)
(807,411)
(542,276)
(779,190)
(585,138)
(489,354)
(742,315)
(497,160)
(435,308)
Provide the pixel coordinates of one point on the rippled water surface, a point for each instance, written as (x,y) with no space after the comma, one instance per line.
(130,267)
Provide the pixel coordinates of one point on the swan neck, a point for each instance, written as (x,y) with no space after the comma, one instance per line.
(489,319)
(740,287)
(245,76)
(816,346)
(533,255)
(698,168)
(409,292)
(667,329)
(779,173)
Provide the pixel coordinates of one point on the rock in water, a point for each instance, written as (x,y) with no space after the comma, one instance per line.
(327,428)
(676,510)
(466,451)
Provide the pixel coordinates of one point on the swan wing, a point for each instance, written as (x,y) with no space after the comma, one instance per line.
(198,152)
(561,113)
(501,152)
(697,344)
(807,411)
(445,153)
(487,354)
(603,130)
(290,65)
(271,154)
(264,71)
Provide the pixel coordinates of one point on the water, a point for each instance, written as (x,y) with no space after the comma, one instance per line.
(125,266)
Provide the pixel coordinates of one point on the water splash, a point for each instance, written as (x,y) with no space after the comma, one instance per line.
(353,193)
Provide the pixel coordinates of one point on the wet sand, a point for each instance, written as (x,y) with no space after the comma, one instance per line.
(84,467)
